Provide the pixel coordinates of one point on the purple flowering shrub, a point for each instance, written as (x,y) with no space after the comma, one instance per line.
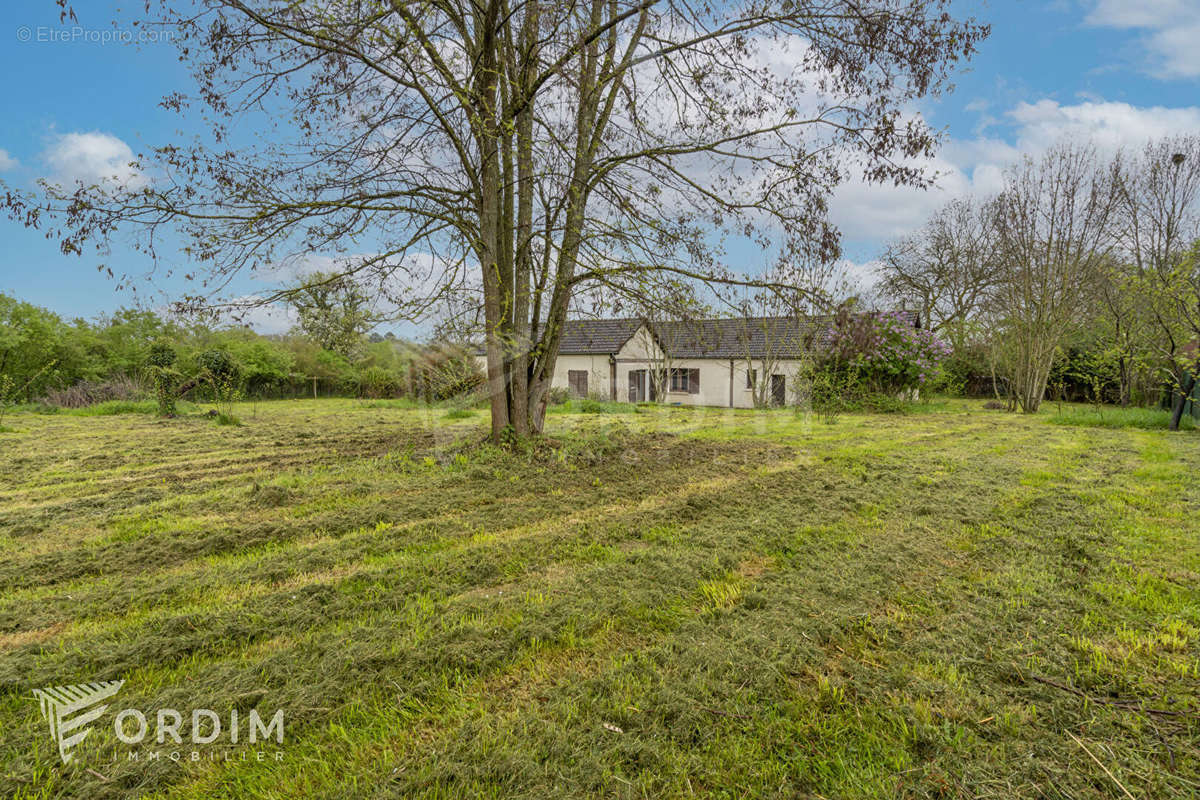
(883,353)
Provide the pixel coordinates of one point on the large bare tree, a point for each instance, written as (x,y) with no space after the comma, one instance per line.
(544,147)
(1053,227)
(947,270)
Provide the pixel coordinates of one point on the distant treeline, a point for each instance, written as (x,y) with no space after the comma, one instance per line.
(44,357)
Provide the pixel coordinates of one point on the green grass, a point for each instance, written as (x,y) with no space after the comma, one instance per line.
(107,408)
(674,603)
(1113,417)
(589,405)
(395,402)
(112,407)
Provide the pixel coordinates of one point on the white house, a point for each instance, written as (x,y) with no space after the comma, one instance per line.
(715,362)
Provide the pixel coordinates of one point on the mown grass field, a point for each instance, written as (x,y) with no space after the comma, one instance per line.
(665,604)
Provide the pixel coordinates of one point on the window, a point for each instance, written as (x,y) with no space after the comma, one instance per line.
(685,380)
(577,382)
(751,378)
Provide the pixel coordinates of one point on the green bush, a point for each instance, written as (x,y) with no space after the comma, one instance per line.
(263,365)
(377,382)
(222,374)
(589,406)
(881,403)
(85,362)
(1085,373)
(218,364)
(160,364)
(38,351)
(965,372)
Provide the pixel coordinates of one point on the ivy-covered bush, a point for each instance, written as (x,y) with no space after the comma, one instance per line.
(160,363)
(223,375)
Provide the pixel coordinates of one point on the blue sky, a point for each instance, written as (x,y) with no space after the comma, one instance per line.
(1120,70)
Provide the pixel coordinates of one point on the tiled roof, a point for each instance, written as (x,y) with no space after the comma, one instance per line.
(752,337)
(596,336)
(739,338)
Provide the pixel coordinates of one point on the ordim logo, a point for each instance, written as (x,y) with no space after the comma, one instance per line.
(70,709)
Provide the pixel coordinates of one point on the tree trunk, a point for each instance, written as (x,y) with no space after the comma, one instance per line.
(1181,402)
(490,202)
(1125,372)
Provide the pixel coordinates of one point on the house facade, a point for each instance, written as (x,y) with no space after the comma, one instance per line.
(722,362)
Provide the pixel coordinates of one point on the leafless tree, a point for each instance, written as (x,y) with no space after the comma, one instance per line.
(946,270)
(1053,227)
(545,147)
(771,326)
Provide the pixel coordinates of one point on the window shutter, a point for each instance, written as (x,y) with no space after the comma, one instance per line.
(694,382)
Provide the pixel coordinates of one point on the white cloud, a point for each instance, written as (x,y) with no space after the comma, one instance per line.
(6,161)
(266,318)
(1109,125)
(92,158)
(411,287)
(864,210)
(976,166)
(852,277)
(301,265)
(1137,13)
(1172,29)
